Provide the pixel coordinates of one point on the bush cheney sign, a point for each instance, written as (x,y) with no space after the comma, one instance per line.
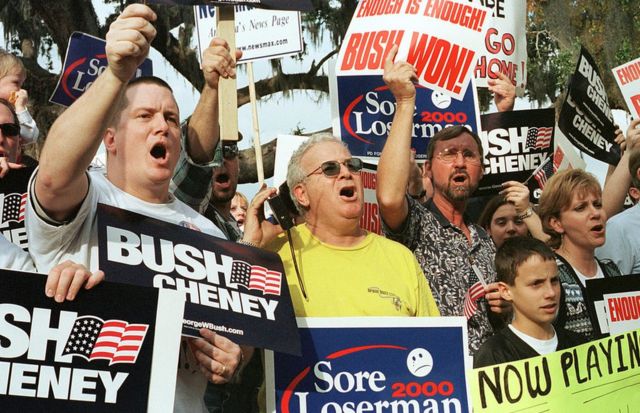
(104,352)
(238,291)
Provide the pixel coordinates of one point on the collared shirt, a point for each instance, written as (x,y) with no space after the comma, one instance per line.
(446,257)
(191,182)
(228,225)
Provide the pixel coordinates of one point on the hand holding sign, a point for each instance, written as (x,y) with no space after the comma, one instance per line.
(518,194)
(67,278)
(218,356)
(633,135)
(129,39)
(504,92)
(217,62)
(399,76)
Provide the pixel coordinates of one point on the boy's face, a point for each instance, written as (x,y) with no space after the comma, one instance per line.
(12,82)
(535,293)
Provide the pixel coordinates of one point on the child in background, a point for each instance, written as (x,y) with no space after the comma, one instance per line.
(527,276)
(239,205)
(12,76)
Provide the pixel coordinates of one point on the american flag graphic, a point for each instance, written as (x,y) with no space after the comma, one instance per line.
(544,174)
(471,297)
(115,340)
(13,207)
(255,277)
(539,138)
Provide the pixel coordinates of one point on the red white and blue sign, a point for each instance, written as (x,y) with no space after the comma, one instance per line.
(237,291)
(112,349)
(372,364)
(366,108)
(86,59)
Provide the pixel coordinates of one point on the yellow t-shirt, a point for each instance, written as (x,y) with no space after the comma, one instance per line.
(377,277)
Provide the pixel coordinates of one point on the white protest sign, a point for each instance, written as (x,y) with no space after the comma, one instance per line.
(628,78)
(623,311)
(260,33)
(287,145)
(565,155)
(440,38)
(505,43)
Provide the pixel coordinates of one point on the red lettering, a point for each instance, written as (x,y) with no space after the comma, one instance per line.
(460,14)
(413,389)
(370,219)
(613,309)
(351,51)
(629,73)
(412,7)
(506,44)
(439,62)
(368,50)
(398,390)
(379,7)
(368,180)
(427,389)
(635,101)
(449,117)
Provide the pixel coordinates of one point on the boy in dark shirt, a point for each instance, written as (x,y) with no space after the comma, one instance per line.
(528,278)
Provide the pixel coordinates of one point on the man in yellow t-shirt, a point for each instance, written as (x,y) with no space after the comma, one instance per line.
(344,270)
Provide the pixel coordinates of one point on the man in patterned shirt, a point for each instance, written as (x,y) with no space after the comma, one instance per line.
(456,255)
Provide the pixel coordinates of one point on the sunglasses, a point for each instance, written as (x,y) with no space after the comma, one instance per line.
(229,151)
(10,129)
(332,168)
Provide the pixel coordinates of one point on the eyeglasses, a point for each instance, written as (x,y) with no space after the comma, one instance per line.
(449,155)
(332,168)
(10,129)
(229,151)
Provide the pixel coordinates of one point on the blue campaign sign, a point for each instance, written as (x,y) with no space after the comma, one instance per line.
(372,364)
(85,61)
(366,108)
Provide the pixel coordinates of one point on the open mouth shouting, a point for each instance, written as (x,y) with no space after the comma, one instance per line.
(597,230)
(159,151)
(348,193)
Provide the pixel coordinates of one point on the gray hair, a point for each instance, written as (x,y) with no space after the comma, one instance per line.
(295,173)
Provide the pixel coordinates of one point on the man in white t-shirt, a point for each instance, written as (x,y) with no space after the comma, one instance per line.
(139,124)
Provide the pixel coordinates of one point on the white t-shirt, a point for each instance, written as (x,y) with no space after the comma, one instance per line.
(77,240)
(540,346)
(13,257)
(583,278)
(51,243)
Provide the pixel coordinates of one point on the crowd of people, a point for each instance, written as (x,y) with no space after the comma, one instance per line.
(518,274)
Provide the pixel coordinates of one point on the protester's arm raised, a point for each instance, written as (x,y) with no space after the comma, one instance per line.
(75,136)
(619,179)
(203,130)
(504,92)
(394,167)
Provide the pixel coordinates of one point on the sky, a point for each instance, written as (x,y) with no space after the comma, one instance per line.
(307,110)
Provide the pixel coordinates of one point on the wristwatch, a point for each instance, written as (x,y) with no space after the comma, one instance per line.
(526,214)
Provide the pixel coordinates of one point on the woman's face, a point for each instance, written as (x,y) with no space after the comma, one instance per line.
(506,224)
(582,222)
